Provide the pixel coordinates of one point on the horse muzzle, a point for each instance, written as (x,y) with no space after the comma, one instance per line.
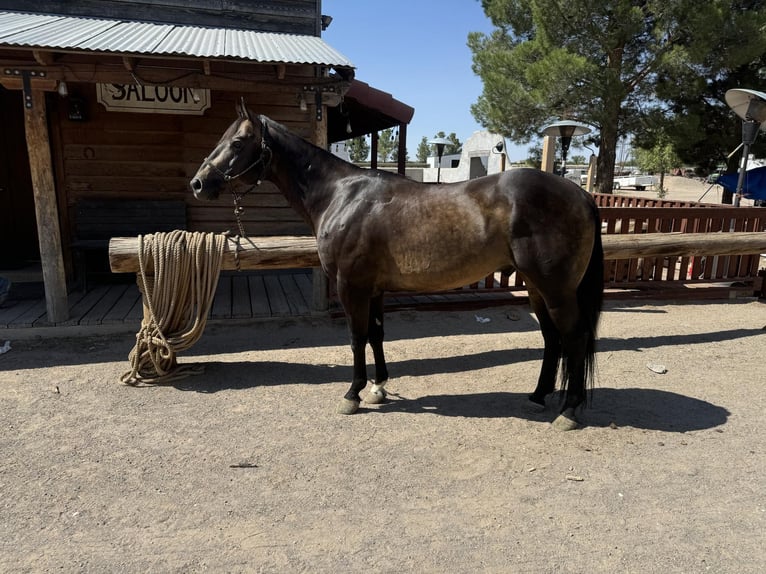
(204,189)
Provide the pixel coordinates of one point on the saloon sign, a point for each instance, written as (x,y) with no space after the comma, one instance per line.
(153,99)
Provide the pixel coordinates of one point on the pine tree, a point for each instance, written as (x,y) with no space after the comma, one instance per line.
(605,62)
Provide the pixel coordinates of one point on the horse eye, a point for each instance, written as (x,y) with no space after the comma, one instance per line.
(236,144)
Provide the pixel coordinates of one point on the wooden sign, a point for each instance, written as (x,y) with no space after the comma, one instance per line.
(153,99)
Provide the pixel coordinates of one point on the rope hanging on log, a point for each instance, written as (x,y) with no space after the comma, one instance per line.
(177,300)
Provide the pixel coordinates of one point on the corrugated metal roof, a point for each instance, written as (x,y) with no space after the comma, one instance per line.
(71,33)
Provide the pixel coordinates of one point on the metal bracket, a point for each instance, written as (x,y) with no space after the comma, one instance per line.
(319,92)
(26,82)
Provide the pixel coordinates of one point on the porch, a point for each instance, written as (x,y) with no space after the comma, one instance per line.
(256,295)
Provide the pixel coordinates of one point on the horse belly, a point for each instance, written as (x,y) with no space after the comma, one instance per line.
(437,265)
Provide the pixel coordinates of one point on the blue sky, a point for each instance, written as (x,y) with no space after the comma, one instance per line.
(417,51)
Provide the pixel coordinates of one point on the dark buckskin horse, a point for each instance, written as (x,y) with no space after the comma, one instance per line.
(377,231)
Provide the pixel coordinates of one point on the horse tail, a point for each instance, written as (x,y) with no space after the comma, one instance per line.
(590,298)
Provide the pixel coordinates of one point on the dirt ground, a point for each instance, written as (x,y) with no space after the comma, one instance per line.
(247,468)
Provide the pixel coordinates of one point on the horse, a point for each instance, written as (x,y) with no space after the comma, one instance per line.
(377,231)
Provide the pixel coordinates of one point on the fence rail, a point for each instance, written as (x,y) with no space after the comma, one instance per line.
(630,215)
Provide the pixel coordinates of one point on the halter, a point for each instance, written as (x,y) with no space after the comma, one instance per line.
(264,158)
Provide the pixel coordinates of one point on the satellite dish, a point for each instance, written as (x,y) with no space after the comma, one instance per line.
(750,105)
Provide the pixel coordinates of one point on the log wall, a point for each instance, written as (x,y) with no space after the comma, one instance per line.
(153,156)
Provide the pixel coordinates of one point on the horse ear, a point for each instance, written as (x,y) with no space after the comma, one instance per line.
(243,112)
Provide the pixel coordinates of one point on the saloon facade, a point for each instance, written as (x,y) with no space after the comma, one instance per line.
(120,101)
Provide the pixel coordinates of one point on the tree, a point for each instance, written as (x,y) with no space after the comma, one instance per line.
(659,159)
(578,159)
(423,151)
(603,62)
(456,147)
(388,145)
(703,131)
(358,149)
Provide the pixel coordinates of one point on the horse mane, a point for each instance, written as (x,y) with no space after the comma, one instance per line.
(303,151)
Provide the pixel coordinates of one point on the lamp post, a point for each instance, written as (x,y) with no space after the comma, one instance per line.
(751,107)
(566,130)
(499,148)
(440,143)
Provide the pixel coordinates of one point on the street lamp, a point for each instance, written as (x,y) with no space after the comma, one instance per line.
(565,129)
(439,143)
(751,107)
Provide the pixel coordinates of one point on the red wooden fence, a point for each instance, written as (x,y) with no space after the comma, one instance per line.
(624,214)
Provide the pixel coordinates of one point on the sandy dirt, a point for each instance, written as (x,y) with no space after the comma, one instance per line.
(247,468)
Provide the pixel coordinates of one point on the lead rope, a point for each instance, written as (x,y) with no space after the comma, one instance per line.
(177,301)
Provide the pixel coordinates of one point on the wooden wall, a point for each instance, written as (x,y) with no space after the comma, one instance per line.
(284,16)
(154,156)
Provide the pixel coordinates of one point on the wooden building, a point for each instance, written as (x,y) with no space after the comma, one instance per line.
(115,103)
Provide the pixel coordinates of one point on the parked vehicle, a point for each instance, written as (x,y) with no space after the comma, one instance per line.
(637,181)
(579,176)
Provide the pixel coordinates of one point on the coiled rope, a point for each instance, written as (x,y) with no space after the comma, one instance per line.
(177,300)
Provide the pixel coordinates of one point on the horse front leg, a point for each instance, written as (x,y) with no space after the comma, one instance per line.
(357,310)
(377,393)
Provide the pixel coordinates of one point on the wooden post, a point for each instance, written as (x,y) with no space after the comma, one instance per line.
(591,174)
(401,165)
(46,209)
(549,151)
(320,284)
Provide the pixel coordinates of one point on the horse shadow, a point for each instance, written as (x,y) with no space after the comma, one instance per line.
(647,409)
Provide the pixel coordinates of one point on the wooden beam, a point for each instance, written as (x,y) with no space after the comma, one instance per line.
(287,252)
(253,253)
(549,151)
(46,208)
(281,70)
(320,284)
(43,57)
(41,84)
(129,63)
(630,246)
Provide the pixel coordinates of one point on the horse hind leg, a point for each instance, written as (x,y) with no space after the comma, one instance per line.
(546,382)
(566,344)
(574,347)
(377,394)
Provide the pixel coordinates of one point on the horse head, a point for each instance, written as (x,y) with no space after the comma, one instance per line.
(241,156)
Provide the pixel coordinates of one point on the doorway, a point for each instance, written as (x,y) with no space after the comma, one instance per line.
(19,247)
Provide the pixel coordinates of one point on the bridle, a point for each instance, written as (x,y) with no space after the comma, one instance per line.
(264,159)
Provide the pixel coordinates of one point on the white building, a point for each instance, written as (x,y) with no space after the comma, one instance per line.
(483,154)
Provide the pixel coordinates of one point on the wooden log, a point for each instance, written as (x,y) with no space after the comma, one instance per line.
(686,244)
(285,252)
(288,252)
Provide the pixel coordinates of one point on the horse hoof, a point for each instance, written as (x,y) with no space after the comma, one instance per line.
(375,397)
(565,422)
(347,407)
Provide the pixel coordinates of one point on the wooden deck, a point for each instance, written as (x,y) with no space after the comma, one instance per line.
(252,295)
(262,295)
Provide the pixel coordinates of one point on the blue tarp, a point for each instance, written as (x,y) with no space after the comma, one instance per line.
(753,187)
